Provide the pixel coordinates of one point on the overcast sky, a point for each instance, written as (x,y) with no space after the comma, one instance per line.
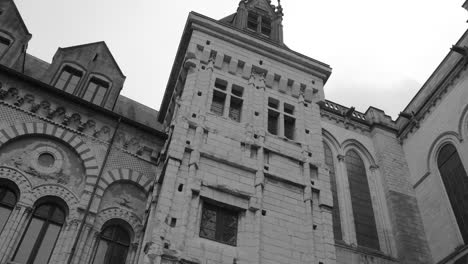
(381,51)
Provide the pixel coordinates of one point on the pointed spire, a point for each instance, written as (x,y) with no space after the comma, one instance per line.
(279,9)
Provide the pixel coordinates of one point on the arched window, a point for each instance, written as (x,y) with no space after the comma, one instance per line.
(364,220)
(42,232)
(68,79)
(113,245)
(456,184)
(8,201)
(96,90)
(336,209)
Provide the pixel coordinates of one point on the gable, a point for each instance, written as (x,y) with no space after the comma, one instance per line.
(96,47)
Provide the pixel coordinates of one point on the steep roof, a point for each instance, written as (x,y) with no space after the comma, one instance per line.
(96,44)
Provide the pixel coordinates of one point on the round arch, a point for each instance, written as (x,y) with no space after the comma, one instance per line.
(17,177)
(123,215)
(45,129)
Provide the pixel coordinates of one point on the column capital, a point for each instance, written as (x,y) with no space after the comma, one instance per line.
(340,157)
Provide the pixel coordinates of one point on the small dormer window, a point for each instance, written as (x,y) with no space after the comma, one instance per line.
(96,91)
(259,24)
(68,79)
(4,45)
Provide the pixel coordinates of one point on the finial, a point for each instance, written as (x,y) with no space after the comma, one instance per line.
(279,9)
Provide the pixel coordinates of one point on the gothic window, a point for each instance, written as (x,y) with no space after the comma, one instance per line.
(336,209)
(68,79)
(223,93)
(219,224)
(8,201)
(113,245)
(4,45)
(364,220)
(96,91)
(41,234)
(456,184)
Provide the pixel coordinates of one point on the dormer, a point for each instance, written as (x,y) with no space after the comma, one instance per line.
(14,36)
(260,18)
(87,71)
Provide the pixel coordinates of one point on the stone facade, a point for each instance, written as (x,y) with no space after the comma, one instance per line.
(232,169)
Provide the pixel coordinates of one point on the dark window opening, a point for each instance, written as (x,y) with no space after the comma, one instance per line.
(364,220)
(39,239)
(273,122)
(221,84)
(235,109)
(68,79)
(113,245)
(273,103)
(219,224)
(8,201)
(237,90)
(456,184)
(217,105)
(289,127)
(289,109)
(252,21)
(96,91)
(266,26)
(4,45)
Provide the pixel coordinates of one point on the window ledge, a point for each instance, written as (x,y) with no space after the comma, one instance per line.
(283,138)
(364,250)
(224,118)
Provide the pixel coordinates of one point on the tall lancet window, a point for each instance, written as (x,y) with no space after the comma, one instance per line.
(456,184)
(336,209)
(364,220)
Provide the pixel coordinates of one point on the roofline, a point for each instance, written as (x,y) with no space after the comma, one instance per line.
(465,34)
(247,39)
(96,43)
(21,18)
(82,102)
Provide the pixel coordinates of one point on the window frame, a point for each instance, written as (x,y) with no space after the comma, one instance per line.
(284,113)
(220,228)
(46,222)
(233,94)
(4,189)
(99,81)
(263,22)
(74,68)
(458,219)
(112,243)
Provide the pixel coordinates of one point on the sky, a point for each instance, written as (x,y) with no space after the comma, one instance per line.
(381,52)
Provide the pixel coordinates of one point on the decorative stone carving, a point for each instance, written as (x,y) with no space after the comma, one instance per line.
(60,115)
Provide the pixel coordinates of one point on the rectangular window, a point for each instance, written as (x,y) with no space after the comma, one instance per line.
(273,122)
(252,21)
(266,26)
(235,109)
(68,79)
(232,95)
(96,91)
(289,126)
(285,116)
(217,106)
(219,224)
